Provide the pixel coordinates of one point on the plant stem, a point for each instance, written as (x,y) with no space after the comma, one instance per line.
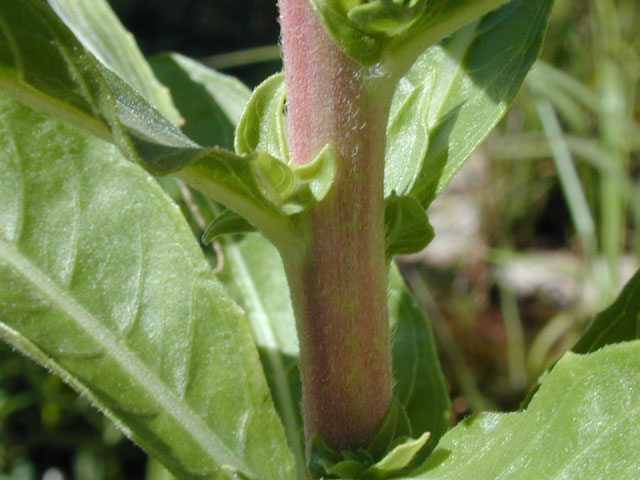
(338,282)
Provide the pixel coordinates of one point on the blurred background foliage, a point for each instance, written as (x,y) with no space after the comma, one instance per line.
(536,234)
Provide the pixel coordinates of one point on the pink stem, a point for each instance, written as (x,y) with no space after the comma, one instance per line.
(338,285)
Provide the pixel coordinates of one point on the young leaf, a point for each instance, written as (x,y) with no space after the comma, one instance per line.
(262,125)
(582,423)
(97,27)
(395,427)
(102,283)
(618,323)
(226,223)
(406,225)
(454,95)
(397,459)
(398,453)
(394,31)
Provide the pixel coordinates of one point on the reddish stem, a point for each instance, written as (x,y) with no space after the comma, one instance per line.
(338,285)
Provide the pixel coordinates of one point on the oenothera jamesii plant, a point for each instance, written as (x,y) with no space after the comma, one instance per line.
(302,354)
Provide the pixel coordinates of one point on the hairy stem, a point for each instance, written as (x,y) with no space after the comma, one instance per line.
(338,282)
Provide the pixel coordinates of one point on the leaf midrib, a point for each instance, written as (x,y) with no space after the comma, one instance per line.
(125,357)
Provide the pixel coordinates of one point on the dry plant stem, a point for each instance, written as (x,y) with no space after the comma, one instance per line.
(338,283)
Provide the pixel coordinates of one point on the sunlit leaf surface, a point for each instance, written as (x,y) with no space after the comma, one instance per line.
(102,283)
(582,424)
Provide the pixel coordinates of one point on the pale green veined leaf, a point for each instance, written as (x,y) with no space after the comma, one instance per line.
(620,322)
(102,283)
(582,424)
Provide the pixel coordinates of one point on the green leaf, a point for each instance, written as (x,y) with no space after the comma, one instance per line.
(618,323)
(397,459)
(394,31)
(211,102)
(454,95)
(43,65)
(582,424)
(407,227)
(420,386)
(290,190)
(262,126)
(102,283)
(97,27)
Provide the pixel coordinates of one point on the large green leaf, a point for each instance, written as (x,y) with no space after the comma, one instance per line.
(43,65)
(454,95)
(102,283)
(97,27)
(618,323)
(582,424)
